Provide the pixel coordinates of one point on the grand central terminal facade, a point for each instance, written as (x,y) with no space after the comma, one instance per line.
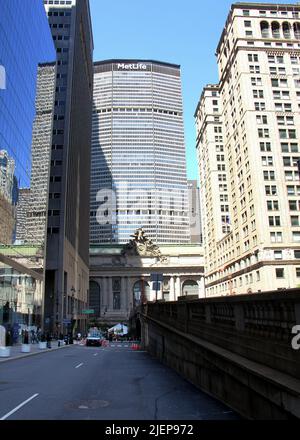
(123,276)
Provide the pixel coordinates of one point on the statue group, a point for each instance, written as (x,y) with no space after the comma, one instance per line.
(141,245)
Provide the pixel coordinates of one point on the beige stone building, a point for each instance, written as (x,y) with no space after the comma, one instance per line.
(120,276)
(248,149)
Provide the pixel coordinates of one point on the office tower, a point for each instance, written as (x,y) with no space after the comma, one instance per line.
(67,274)
(194,212)
(25,43)
(33,204)
(138,177)
(251,129)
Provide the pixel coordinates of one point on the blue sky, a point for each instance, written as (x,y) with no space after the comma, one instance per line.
(184,32)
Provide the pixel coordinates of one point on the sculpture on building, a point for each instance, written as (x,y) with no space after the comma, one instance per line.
(142,246)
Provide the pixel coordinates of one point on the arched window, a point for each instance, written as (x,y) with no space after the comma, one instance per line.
(286,30)
(265,31)
(275,29)
(190,287)
(141,287)
(95,298)
(297,30)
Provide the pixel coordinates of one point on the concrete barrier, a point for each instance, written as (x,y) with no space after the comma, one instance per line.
(238,349)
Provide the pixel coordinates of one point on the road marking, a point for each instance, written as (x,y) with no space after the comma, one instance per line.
(18,407)
(96,354)
(78,366)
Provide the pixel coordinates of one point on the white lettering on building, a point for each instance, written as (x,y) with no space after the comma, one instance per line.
(136,66)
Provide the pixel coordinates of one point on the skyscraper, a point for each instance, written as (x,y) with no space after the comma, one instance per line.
(67,274)
(25,43)
(249,153)
(33,204)
(138,153)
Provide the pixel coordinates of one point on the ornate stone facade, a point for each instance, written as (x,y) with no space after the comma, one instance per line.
(120,276)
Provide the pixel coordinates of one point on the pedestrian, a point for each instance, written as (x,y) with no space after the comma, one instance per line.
(48,339)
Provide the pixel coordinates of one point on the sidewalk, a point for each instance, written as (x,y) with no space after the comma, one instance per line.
(15,351)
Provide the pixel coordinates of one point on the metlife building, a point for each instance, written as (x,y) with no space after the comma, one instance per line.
(138,153)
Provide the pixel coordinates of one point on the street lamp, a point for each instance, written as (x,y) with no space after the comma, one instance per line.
(72,308)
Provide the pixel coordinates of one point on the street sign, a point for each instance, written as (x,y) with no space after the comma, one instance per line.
(66,321)
(88,312)
(156,286)
(157,277)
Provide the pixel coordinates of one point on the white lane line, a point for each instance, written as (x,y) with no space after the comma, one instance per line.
(18,407)
(78,366)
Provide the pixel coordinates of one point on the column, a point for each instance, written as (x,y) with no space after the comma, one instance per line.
(128,301)
(160,291)
(103,292)
(201,285)
(123,294)
(110,294)
(172,289)
(177,288)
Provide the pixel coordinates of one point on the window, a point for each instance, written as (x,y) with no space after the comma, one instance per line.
(278,255)
(264,27)
(267,160)
(279,272)
(263,132)
(265,146)
(293,205)
(287,134)
(296,237)
(276,237)
(295,220)
(271,190)
(261,119)
(256,81)
(260,106)
(258,93)
(253,58)
(269,175)
(274,221)
(272,205)
(298,272)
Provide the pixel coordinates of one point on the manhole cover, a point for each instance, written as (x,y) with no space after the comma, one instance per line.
(88,404)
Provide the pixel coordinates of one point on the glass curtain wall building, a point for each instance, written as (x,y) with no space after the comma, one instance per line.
(26,49)
(138,153)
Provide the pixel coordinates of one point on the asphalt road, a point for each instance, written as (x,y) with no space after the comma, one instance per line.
(114,383)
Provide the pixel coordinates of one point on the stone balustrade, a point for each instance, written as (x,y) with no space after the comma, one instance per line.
(237,348)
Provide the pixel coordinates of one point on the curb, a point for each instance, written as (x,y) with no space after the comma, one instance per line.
(33,354)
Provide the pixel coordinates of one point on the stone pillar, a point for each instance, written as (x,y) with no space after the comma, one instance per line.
(110,302)
(123,293)
(127,301)
(172,289)
(103,292)
(160,291)
(201,285)
(177,288)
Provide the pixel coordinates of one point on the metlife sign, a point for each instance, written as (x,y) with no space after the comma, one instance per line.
(132,66)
